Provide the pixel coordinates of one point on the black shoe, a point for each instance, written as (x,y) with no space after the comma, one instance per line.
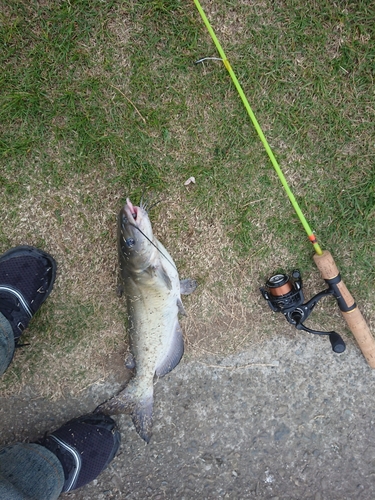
(27,275)
(85,446)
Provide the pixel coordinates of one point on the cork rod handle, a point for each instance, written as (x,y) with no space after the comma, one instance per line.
(348,307)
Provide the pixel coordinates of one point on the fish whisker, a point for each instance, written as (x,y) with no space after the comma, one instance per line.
(153,205)
(143,204)
(146,205)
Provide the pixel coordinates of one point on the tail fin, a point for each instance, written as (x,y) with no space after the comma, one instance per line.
(140,407)
(142,416)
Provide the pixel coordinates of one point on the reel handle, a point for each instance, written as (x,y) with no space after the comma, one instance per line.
(347,305)
(338,345)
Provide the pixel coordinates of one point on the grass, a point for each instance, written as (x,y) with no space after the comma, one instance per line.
(101,100)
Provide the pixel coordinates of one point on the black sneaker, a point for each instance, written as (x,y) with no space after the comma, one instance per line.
(85,446)
(27,275)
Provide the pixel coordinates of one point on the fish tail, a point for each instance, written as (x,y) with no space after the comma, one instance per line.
(142,415)
(140,407)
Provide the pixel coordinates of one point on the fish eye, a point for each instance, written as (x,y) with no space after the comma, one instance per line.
(130,242)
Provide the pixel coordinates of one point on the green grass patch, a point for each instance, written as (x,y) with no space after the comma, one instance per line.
(102,100)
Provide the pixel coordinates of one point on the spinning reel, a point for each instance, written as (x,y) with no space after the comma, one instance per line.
(284,294)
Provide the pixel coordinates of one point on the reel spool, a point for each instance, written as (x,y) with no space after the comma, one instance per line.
(284,294)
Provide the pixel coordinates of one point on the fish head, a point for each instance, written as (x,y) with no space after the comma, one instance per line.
(135,236)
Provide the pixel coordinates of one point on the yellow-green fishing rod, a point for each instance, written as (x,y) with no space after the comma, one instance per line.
(323,259)
(267,147)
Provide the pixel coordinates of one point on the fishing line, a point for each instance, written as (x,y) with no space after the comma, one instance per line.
(153,244)
(323,259)
(147,209)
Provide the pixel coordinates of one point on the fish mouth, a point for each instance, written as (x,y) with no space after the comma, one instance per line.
(128,226)
(134,222)
(131,211)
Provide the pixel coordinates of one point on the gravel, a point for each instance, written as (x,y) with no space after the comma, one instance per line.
(284,420)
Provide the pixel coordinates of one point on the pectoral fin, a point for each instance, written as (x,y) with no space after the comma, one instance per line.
(174,354)
(187,286)
(160,272)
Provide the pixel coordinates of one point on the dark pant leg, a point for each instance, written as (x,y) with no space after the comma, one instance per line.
(6,344)
(30,471)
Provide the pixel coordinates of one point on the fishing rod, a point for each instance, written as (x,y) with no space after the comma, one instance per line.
(322,258)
